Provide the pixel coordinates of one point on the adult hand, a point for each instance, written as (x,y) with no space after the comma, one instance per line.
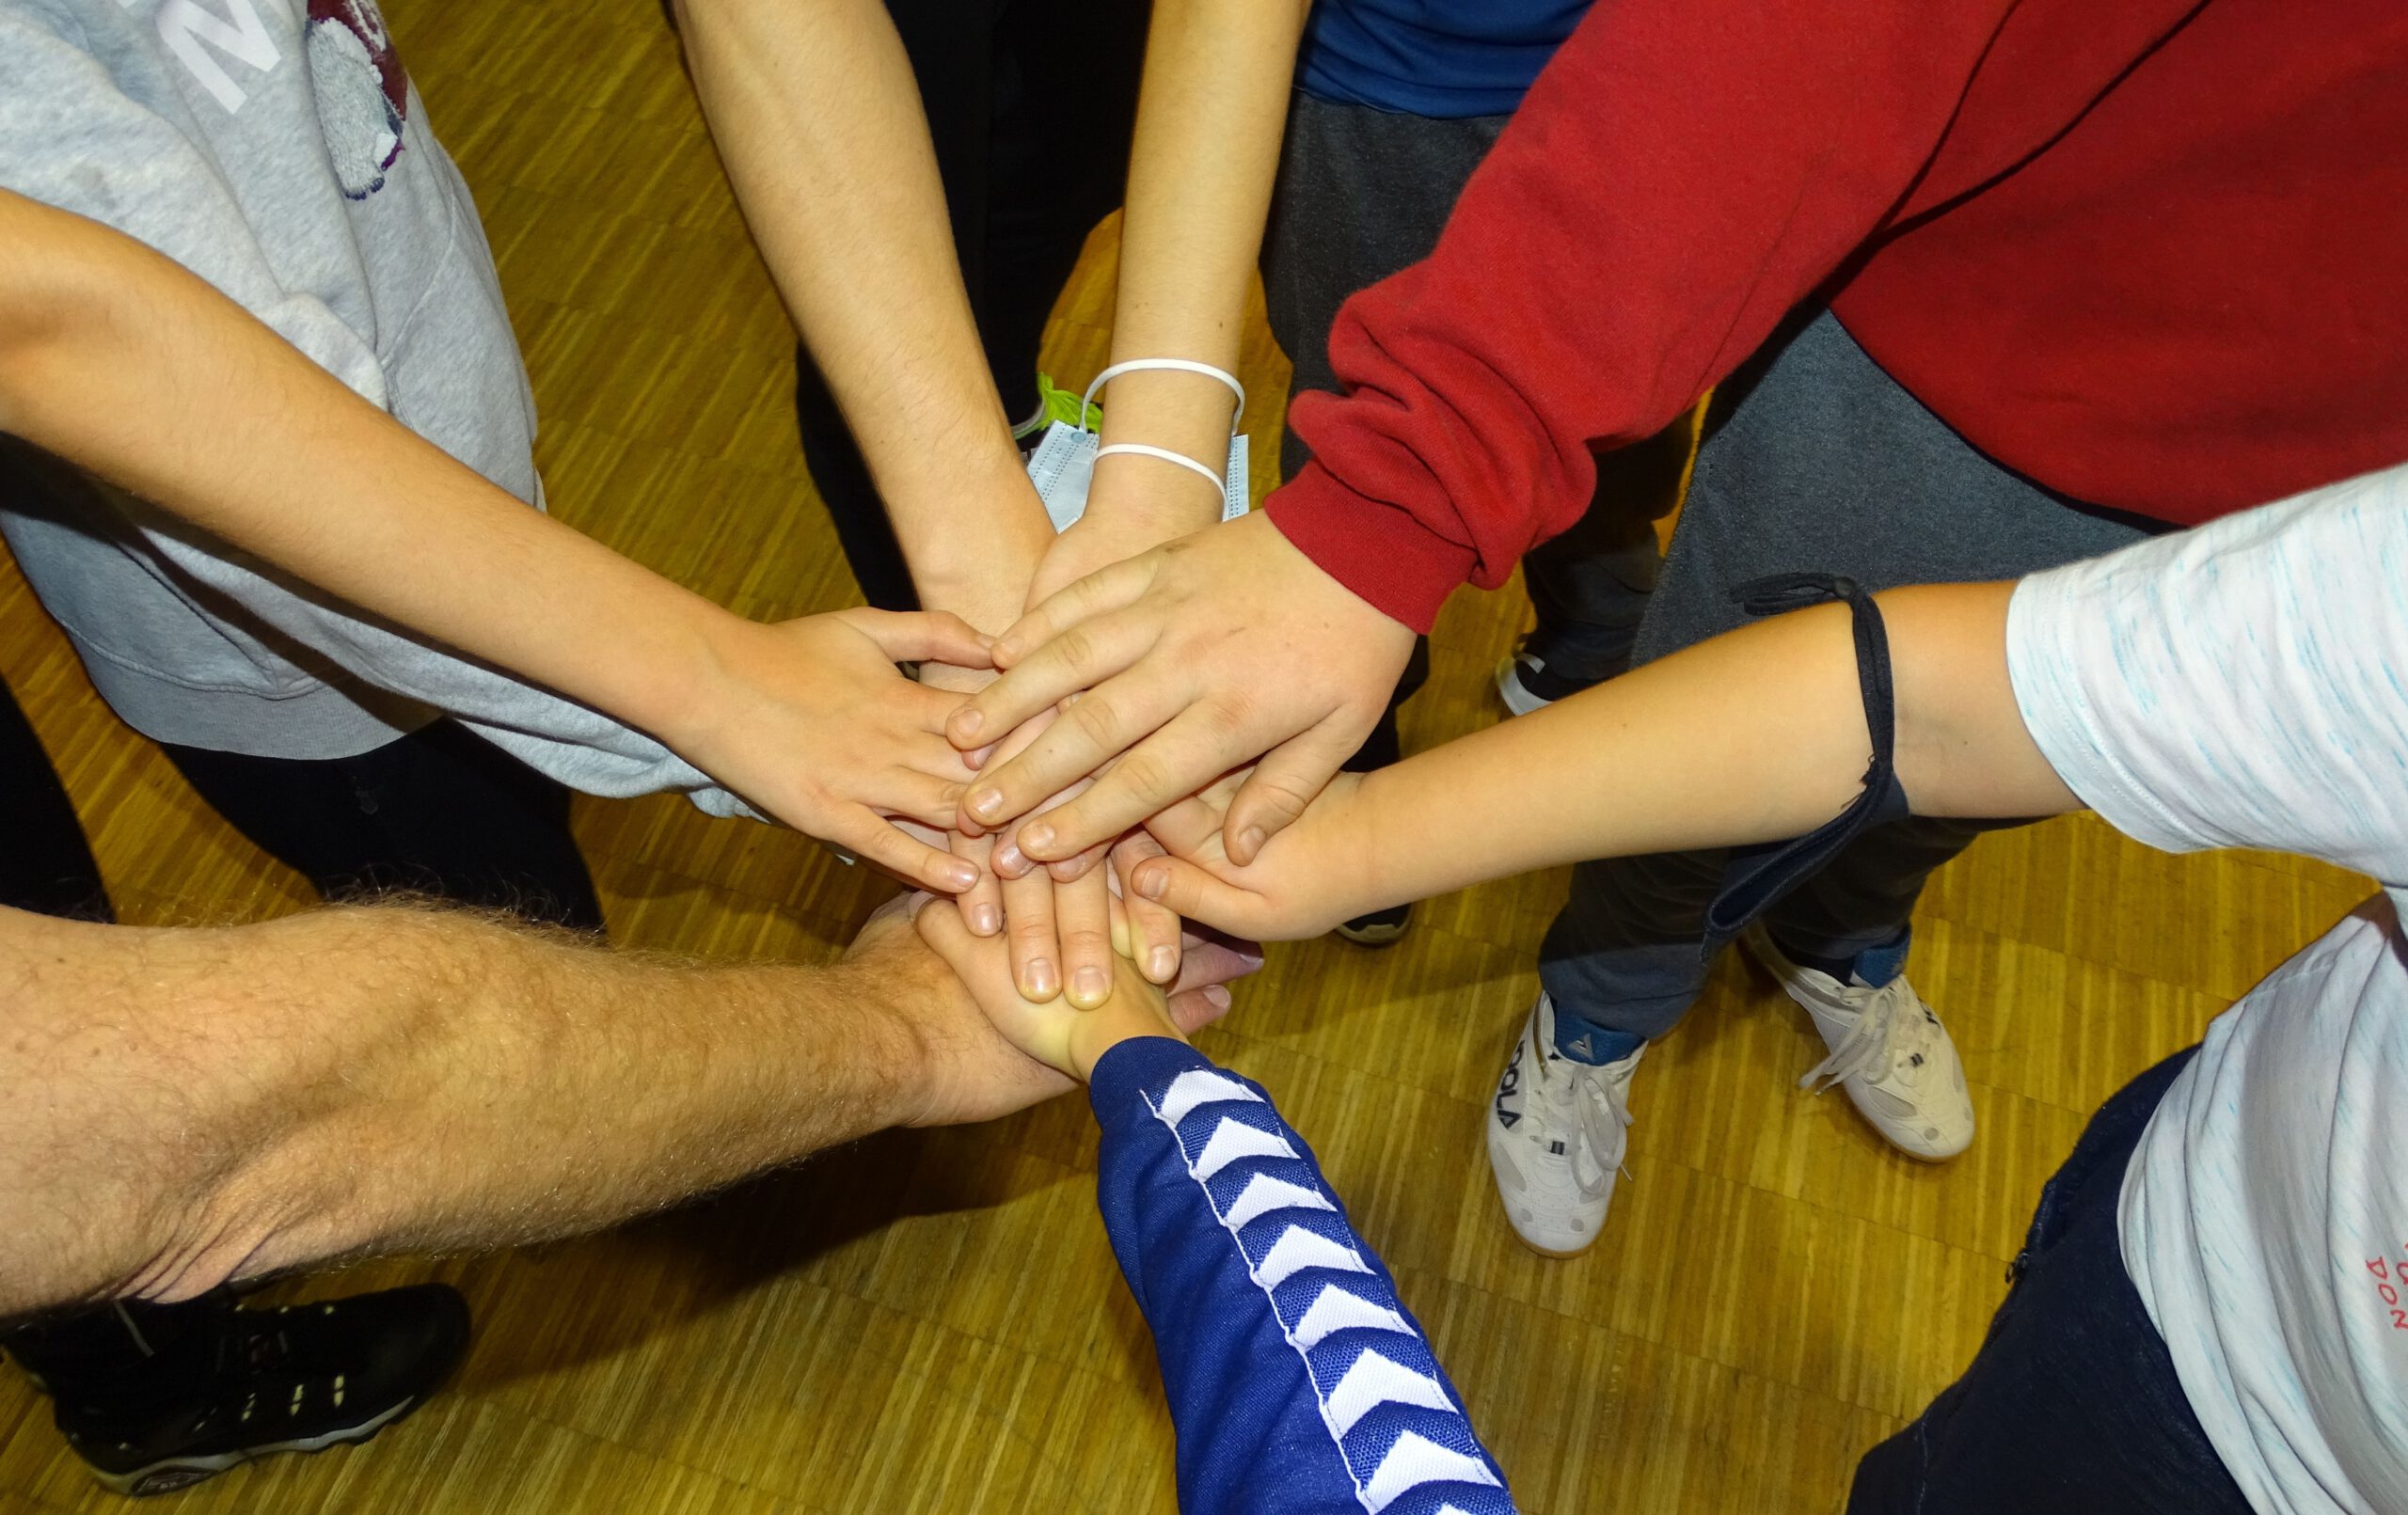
(1197,656)
(962,1068)
(1317,873)
(1069,1041)
(809,720)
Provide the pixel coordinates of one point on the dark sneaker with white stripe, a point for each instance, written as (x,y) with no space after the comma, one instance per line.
(1525,681)
(253,1382)
(1380,929)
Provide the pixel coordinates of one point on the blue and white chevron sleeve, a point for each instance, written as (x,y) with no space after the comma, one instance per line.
(1297,1380)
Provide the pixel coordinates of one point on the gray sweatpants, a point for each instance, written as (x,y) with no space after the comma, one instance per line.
(1364,193)
(1815,460)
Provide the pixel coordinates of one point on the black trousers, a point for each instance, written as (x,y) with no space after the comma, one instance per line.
(1030,103)
(440,811)
(2073,1403)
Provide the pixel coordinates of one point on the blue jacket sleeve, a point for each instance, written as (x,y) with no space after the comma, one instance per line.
(1296,1380)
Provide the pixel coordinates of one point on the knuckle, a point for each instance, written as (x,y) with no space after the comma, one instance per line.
(1229,713)
(1073,648)
(1094,719)
(1145,775)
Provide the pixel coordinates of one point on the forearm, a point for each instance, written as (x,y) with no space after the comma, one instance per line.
(817,118)
(1682,174)
(1680,755)
(118,360)
(1249,1273)
(384,1079)
(1202,163)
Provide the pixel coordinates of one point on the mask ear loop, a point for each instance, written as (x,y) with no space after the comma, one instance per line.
(1755,878)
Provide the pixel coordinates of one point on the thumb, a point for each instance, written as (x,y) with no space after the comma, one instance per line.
(1177,884)
(1285,780)
(1198,1007)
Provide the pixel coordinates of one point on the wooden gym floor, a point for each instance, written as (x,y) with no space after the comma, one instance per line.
(932,1321)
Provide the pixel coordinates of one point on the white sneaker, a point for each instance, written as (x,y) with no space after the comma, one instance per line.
(1889,1050)
(1557,1134)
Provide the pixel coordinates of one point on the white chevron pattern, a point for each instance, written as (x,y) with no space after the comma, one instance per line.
(1415,1461)
(1263,1193)
(1341,1309)
(1199,1086)
(1298,1249)
(1374,1381)
(1234,1139)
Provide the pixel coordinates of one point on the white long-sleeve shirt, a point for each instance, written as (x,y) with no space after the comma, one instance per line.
(2246,685)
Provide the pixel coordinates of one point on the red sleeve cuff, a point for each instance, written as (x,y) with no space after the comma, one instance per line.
(1384,554)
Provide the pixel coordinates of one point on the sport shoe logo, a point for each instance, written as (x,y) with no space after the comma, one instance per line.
(1510,1084)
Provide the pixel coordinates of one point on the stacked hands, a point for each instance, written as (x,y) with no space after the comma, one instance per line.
(1119,758)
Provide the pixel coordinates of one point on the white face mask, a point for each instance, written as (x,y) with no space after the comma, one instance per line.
(1063,469)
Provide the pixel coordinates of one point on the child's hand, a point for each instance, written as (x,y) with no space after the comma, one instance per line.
(810,721)
(1307,879)
(1063,1036)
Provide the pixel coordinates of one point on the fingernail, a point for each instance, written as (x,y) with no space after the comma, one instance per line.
(1153,882)
(1008,860)
(1217,996)
(984,920)
(1094,987)
(1160,964)
(968,720)
(1037,834)
(962,874)
(1006,650)
(1041,983)
(986,803)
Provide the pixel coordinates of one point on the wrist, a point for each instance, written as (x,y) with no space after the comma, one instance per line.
(892,1050)
(995,532)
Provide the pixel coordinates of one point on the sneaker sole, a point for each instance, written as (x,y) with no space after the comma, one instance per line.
(171,1473)
(1378,936)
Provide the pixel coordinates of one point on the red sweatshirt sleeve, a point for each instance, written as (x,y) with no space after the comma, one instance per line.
(1683,173)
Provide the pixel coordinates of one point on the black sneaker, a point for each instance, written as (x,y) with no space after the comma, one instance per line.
(1378,930)
(1525,683)
(300,1378)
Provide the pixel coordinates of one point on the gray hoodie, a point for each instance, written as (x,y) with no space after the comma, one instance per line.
(276,149)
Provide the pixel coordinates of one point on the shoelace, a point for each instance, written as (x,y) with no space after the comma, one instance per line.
(1867,1048)
(1584,1089)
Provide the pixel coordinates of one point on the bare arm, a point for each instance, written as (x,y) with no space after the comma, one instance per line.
(816,113)
(124,363)
(1673,755)
(1210,119)
(178,1107)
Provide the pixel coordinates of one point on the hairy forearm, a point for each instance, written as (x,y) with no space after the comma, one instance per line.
(186,1106)
(1758,735)
(1201,165)
(817,118)
(122,362)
